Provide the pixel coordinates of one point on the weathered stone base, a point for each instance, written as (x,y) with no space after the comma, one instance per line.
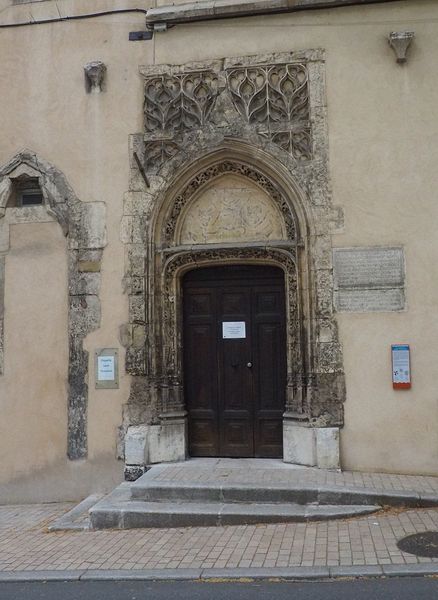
(151,444)
(311,446)
(167,442)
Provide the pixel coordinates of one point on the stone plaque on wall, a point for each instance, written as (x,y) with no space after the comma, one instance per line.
(369,279)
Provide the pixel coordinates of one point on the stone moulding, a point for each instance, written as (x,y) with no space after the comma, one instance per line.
(251,100)
(161,17)
(84,225)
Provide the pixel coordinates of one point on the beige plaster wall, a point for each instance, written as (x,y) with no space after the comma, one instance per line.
(383,156)
(33,388)
(45,108)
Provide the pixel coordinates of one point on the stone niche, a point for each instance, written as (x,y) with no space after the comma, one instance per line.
(231,168)
(84,225)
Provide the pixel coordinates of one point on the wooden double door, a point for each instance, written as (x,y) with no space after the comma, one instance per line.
(235,360)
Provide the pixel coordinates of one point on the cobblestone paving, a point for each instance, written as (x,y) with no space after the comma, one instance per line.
(25,543)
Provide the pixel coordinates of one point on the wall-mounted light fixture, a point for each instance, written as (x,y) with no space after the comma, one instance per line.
(400,42)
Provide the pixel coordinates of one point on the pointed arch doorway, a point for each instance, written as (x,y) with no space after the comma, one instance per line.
(234,360)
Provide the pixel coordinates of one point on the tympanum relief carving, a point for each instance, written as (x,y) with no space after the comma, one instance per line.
(231,210)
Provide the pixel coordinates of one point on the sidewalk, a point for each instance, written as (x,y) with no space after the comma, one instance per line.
(355,546)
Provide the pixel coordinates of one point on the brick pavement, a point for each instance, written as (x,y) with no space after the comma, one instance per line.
(25,543)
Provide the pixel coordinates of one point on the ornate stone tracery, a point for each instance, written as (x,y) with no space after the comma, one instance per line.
(180,101)
(275,98)
(272,98)
(255,127)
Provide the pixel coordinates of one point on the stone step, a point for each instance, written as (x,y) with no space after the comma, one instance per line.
(136,513)
(153,490)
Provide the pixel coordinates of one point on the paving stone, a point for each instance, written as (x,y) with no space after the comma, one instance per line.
(362,542)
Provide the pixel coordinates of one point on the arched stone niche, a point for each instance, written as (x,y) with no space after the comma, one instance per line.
(83,223)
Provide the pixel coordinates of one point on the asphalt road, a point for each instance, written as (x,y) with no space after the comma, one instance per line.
(361,589)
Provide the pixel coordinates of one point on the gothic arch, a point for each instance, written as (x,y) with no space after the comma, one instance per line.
(182,153)
(231,157)
(158,294)
(83,223)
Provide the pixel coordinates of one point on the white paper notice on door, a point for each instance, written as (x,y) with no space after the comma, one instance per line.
(233,330)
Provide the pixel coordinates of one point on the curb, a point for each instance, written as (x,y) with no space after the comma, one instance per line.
(287,574)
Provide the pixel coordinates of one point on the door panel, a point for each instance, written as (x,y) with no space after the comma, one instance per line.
(235,388)
(235,381)
(201,391)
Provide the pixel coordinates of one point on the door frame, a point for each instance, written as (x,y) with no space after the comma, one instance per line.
(175,268)
(156,258)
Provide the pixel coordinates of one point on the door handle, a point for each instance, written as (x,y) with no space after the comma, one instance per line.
(249,365)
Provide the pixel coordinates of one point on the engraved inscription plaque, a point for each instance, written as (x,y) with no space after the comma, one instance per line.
(369,279)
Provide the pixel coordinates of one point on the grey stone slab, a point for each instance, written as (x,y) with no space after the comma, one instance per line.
(356,571)
(267,573)
(410,570)
(327,512)
(368,267)
(350,495)
(428,500)
(141,574)
(67,521)
(369,279)
(40,575)
(168,519)
(370,300)
(106,518)
(141,514)
(166,491)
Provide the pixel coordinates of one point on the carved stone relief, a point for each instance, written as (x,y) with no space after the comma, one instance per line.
(231,210)
(174,104)
(229,167)
(273,98)
(84,224)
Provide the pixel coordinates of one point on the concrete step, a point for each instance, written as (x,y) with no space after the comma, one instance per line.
(153,490)
(118,511)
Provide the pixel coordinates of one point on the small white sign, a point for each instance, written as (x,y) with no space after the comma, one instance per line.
(233,330)
(105,368)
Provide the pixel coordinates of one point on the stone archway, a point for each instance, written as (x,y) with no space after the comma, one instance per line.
(84,225)
(285,155)
(174,248)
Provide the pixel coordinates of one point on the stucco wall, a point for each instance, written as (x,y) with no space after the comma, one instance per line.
(383,156)
(45,108)
(383,152)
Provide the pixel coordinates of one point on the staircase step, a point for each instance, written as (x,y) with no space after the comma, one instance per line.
(152,490)
(118,511)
